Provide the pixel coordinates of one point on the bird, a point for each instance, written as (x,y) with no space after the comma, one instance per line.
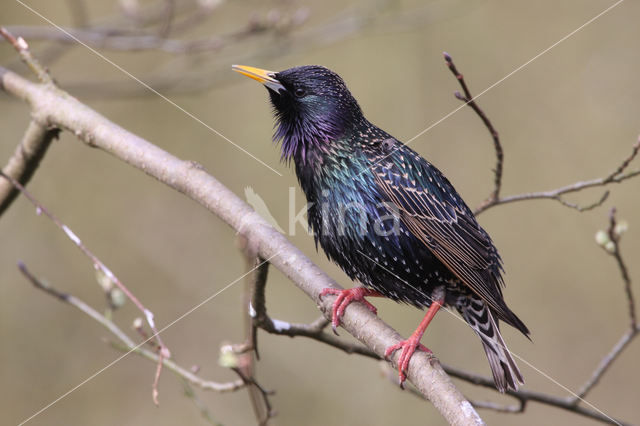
(388,217)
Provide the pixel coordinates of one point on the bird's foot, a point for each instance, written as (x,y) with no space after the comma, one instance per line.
(345,297)
(408,347)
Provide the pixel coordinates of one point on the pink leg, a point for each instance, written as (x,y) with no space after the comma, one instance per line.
(410,345)
(345,297)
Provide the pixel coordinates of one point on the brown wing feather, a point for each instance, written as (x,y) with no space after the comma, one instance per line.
(447,227)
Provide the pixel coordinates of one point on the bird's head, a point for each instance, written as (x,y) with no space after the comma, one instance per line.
(312,105)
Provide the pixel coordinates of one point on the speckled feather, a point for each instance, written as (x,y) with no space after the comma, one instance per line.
(356,177)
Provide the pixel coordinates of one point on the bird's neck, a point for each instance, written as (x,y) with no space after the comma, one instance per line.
(314,160)
(328,166)
(305,138)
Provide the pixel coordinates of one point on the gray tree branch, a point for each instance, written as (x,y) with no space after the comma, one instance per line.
(187,177)
(51,107)
(25,160)
(315,331)
(247,351)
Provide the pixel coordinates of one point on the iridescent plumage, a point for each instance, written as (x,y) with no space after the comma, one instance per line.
(387,216)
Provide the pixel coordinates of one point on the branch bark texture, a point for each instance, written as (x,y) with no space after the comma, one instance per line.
(25,160)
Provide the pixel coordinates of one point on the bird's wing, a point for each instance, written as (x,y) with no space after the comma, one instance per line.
(434,212)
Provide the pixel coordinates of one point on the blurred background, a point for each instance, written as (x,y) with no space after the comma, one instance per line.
(570,115)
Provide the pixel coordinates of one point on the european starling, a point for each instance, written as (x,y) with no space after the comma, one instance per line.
(389,218)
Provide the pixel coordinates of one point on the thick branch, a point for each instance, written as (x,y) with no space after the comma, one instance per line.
(259,270)
(25,160)
(52,107)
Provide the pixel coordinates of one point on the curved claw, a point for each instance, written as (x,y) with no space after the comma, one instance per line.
(408,347)
(345,297)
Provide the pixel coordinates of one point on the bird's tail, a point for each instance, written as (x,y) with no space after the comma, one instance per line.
(477,314)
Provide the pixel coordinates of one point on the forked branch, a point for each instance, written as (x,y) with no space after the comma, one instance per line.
(620,174)
(468,99)
(54,107)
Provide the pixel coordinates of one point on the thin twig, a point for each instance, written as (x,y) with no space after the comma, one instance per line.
(156,380)
(194,17)
(167,22)
(612,247)
(151,341)
(78,11)
(617,176)
(259,268)
(125,40)
(181,75)
(588,207)
(97,263)
(605,363)
(500,408)
(256,306)
(147,16)
(101,267)
(315,330)
(614,236)
(494,198)
(22,48)
(126,343)
(251,382)
(617,172)
(190,393)
(470,101)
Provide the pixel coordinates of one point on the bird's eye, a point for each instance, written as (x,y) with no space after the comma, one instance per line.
(299,92)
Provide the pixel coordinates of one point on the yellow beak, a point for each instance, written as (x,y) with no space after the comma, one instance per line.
(263,76)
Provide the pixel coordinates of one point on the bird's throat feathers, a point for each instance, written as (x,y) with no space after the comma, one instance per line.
(299,139)
(303,134)
(311,127)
